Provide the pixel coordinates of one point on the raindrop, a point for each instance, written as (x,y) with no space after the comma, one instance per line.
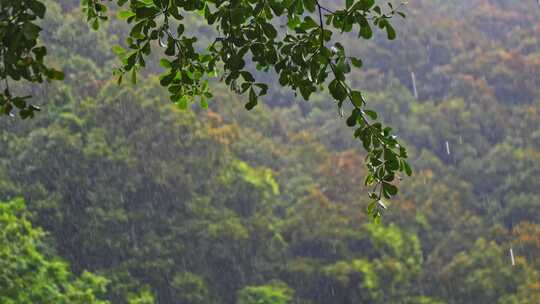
(512,259)
(162,43)
(447,148)
(415,91)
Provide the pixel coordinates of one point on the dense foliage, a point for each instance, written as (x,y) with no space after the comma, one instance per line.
(305,58)
(226,206)
(27,276)
(21,56)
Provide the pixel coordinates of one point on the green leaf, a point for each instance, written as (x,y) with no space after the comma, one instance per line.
(371,207)
(293,22)
(131,60)
(390,31)
(406,167)
(364,4)
(56,75)
(118,50)
(351,121)
(30,31)
(19,102)
(40,52)
(38,8)
(269,30)
(236,62)
(134,76)
(126,14)
(263,87)
(306,90)
(95,24)
(182,104)
(136,31)
(377,218)
(204,102)
(167,79)
(247,76)
(337,90)
(100,8)
(164,63)
(309,5)
(145,12)
(341,70)
(357,99)
(389,189)
(356,62)
(372,114)
(366,32)
(252,100)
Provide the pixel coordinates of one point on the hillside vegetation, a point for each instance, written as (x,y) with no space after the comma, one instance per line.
(148,203)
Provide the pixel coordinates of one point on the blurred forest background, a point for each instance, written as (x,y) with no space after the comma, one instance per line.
(112,195)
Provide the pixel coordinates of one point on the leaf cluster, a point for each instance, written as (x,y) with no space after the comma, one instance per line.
(21,57)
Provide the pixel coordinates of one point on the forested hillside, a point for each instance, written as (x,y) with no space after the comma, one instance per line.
(148,203)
